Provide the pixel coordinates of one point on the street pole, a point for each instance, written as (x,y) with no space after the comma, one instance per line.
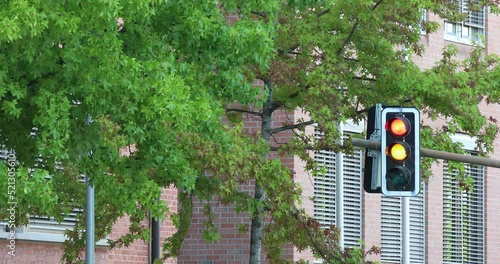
(155,237)
(89,223)
(363,143)
(89,215)
(406,230)
(339,174)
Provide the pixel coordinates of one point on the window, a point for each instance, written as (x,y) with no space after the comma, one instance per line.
(391,234)
(423,20)
(463,218)
(472,28)
(325,195)
(40,228)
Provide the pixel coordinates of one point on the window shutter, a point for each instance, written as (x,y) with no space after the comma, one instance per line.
(325,193)
(324,189)
(391,230)
(352,198)
(391,234)
(463,218)
(42,224)
(417,228)
(474,19)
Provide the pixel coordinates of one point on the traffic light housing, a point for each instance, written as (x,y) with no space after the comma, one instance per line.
(400,151)
(371,177)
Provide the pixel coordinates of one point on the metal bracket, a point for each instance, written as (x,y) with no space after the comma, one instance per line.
(376,154)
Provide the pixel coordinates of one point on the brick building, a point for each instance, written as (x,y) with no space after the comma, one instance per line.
(447,226)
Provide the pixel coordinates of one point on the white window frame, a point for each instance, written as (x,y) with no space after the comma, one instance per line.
(469,30)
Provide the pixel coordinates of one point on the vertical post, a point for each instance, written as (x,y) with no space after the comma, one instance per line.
(406,211)
(339,190)
(406,230)
(89,215)
(155,238)
(377,159)
(89,223)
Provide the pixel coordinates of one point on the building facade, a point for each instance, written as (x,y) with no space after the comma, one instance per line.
(447,225)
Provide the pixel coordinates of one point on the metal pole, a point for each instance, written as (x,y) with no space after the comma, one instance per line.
(363,143)
(155,238)
(89,223)
(406,230)
(339,190)
(89,216)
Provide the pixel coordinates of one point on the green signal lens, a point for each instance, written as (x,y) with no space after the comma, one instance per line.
(399,176)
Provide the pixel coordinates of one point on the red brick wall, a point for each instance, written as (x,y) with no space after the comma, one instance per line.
(307,182)
(233,248)
(492,197)
(434,216)
(372,222)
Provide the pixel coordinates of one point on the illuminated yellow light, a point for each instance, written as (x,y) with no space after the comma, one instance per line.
(398,127)
(398,152)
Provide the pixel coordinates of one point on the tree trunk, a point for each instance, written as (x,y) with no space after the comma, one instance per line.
(258,217)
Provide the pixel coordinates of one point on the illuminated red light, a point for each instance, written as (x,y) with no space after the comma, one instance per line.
(398,126)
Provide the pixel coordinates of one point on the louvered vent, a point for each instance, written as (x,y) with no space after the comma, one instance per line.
(391,234)
(325,193)
(463,218)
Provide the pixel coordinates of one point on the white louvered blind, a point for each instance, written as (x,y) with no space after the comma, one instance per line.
(417,228)
(352,166)
(324,188)
(41,224)
(44,224)
(391,230)
(463,218)
(391,226)
(325,194)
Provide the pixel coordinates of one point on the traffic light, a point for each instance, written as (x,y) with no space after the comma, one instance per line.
(400,147)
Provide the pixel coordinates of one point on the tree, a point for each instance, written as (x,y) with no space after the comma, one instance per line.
(334,58)
(152,75)
(158,78)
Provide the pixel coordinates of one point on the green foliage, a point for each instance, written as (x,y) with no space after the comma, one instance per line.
(157,77)
(150,74)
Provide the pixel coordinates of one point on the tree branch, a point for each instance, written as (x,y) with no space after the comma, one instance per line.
(239,110)
(348,37)
(351,59)
(351,33)
(294,126)
(261,14)
(322,13)
(311,237)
